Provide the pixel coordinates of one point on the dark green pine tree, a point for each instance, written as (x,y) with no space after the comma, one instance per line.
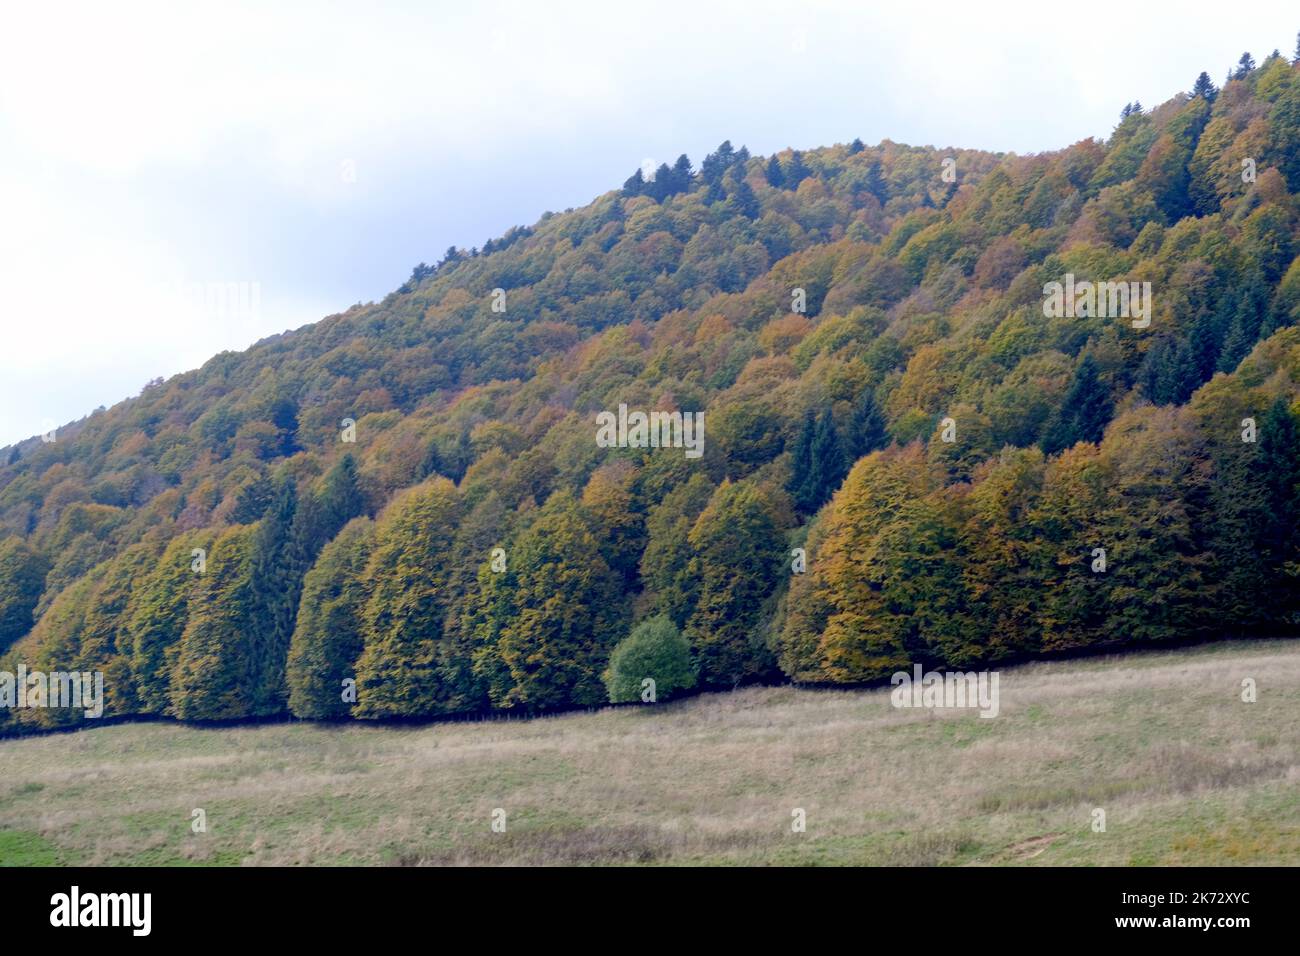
(1171,372)
(312,528)
(830,464)
(876,183)
(680,176)
(801,463)
(743,199)
(432,463)
(1236,345)
(1244,66)
(717,163)
(1205,88)
(277,566)
(418,274)
(1279,464)
(856,147)
(819,463)
(341,497)
(1252,307)
(1206,340)
(284,416)
(634,185)
(1277,316)
(1084,412)
(1256,504)
(775,177)
(1090,398)
(796,172)
(868,429)
(658,188)
(464,456)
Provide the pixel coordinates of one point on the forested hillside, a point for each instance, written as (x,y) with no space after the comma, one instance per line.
(411,494)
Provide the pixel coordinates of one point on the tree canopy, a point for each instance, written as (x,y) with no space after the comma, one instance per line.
(906,457)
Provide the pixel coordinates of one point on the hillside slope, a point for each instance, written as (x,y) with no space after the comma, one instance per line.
(412,495)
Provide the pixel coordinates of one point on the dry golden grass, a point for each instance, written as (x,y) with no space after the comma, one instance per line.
(1186,772)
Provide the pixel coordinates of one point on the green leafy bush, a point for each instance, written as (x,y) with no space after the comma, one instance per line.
(656,651)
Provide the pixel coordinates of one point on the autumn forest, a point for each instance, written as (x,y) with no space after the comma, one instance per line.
(403,510)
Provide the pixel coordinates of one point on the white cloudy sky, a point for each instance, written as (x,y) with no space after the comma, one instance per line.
(148,150)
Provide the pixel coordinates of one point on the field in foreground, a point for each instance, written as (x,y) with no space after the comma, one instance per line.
(1185,771)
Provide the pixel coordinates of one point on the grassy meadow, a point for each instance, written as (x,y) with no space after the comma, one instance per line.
(1186,772)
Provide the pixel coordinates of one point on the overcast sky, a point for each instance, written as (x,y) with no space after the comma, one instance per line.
(311,155)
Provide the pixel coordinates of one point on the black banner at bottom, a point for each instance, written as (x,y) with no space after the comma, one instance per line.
(330,904)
